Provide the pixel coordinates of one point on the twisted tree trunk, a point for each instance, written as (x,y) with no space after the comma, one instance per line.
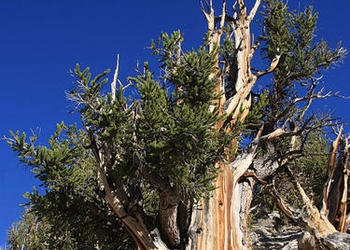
(221,222)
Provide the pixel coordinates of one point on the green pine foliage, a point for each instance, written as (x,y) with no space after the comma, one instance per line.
(303,59)
(311,169)
(165,139)
(32,234)
(179,141)
(72,203)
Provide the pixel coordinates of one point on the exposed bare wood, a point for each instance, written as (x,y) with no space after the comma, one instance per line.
(214,42)
(284,207)
(232,106)
(221,221)
(253,174)
(242,163)
(240,103)
(225,226)
(208,228)
(136,228)
(270,69)
(254,46)
(276,133)
(316,223)
(337,198)
(115,78)
(253,10)
(242,9)
(223,15)
(344,198)
(330,174)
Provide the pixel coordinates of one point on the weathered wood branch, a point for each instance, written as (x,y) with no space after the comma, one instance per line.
(338,188)
(115,78)
(270,69)
(134,225)
(241,164)
(330,173)
(242,9)
(253,10)
(223,15)
(213,45)
(284,207)
(316,223)
(342,211)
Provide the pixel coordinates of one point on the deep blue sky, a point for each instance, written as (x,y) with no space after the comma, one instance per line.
(40,41)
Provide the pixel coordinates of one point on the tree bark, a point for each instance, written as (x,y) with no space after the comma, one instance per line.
(168,214)
(222,221)
(335,195)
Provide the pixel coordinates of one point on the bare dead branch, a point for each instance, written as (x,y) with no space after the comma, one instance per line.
(271,136)
(241,164)
(233,22)
(253,10)
(242,9)
(330,174)
(316,222)
(254,47)
(253,174)
(208,13)
(115,78)
(272,67)
(223,15)
(284,206)
(206,5)
(306,107)
(318,95)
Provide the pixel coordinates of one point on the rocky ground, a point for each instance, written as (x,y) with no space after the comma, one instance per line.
(270,231)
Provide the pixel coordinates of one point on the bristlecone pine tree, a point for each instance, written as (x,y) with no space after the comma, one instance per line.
(175,166)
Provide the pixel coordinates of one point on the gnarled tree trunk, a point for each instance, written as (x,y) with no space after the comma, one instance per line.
(222,221)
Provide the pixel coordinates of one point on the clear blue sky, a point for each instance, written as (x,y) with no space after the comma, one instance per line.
(42,40)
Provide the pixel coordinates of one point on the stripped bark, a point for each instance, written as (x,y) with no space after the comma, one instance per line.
(226,225)
(316,223)
(221,222)
(330,174)
(336,191)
